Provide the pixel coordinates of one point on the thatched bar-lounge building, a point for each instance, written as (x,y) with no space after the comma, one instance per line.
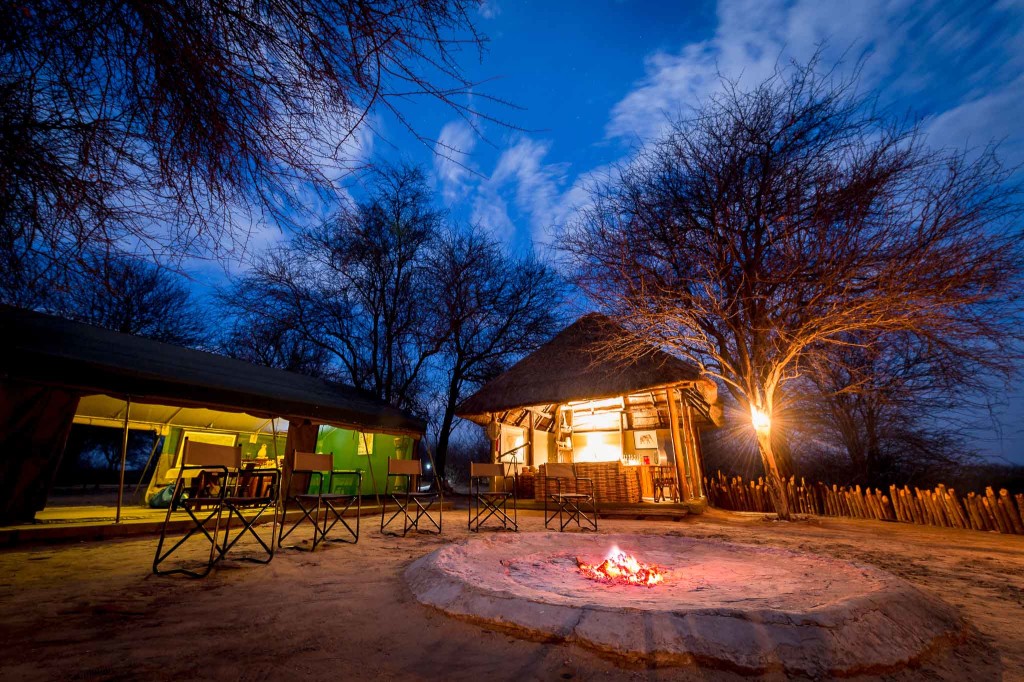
(616,418)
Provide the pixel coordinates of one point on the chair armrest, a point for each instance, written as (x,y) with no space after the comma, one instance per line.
(355,473)
(586,480)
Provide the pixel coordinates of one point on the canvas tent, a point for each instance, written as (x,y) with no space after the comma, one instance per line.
(576,399)
(53,371)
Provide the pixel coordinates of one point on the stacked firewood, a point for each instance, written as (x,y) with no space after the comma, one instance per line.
(942,506)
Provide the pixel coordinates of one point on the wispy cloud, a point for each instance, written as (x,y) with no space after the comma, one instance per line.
(452,159)
(489,9)
(921,55)
(957,62)
(540,192)
(994,117)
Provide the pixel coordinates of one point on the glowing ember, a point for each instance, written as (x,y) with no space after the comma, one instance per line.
(619,567)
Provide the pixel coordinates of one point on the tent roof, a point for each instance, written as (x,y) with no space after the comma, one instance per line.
(50,350)
(576,365)
(104,410)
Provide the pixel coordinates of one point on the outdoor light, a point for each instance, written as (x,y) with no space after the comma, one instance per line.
(762,422)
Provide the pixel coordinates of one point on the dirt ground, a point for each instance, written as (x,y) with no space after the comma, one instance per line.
(93,610)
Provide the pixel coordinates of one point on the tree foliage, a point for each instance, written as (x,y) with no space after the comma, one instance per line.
(130,296)
(171,126)
(490,309)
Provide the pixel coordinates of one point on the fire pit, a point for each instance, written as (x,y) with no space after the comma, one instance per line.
(745,608)
(621,568)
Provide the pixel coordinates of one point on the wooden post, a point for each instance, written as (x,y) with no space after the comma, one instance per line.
(695,460)
(532,449)
(494,434)
(562,454)
(124,458)
(677,444)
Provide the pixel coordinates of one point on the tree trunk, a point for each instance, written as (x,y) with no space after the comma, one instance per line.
(783,453)
(772,475)
(441,459)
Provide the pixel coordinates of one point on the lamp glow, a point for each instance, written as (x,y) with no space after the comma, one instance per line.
(762,422)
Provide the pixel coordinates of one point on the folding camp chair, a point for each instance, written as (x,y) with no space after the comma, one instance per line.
(663,478)
(334,504)
(493,502)
(413,505)
(571,502)
(255,490)
(213,464)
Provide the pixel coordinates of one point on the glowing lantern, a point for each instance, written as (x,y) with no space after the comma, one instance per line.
(762,422)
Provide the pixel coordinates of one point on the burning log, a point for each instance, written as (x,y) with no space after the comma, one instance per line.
(621,568)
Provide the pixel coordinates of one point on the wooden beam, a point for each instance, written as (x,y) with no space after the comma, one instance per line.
(532,449)
(698,465)
(496,443)
(677,444)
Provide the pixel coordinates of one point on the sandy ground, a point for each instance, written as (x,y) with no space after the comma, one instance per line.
(93,610)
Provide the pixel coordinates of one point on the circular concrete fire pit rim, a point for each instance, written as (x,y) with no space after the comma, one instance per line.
(891,626)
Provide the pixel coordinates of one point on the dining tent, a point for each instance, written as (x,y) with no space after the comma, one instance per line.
(55,371)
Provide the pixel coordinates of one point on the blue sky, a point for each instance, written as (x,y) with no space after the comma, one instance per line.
(595,80)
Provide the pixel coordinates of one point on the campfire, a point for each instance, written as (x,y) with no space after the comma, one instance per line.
(621,568)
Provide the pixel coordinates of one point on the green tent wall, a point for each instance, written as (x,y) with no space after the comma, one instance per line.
(344,444)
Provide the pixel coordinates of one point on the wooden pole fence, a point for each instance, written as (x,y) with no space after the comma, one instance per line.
(991,511)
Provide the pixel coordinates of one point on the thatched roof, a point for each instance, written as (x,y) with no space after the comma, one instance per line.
(576,365)
(43,349)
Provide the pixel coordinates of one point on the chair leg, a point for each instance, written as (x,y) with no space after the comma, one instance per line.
(197,527)
(339,518)
(424,511)
(249,526)
(486,508)
(282,534)
(402,509)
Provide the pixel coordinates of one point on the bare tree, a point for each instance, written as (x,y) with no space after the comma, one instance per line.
(169,126)
(491,308)
(261,329)
(355,288)
(782,218)
(130,296)
(898,405)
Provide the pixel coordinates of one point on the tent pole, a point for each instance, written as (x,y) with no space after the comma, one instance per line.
(124,458)
(282,492)
(152,453)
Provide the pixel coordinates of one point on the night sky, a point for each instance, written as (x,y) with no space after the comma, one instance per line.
(596,80)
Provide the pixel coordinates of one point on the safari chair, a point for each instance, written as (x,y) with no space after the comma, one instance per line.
(213,464)
(413,505)
(663,479)
(493,502)
(255,490)
(334,505)
(572,503)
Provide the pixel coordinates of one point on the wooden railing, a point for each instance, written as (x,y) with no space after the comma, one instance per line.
(939,507)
